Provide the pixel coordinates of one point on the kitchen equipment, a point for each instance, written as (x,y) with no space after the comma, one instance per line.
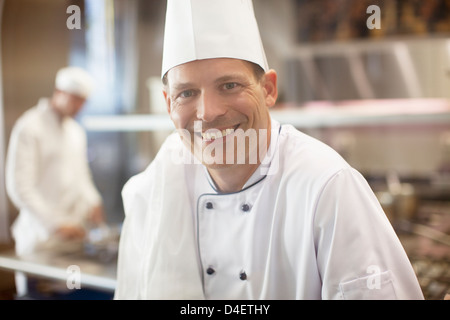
(399,200)
(102,243)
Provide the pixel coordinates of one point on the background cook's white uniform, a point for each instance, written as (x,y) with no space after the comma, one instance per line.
(307,227)
(47,176)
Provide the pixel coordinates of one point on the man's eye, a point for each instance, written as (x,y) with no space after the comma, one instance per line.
(229,86)
(187,94)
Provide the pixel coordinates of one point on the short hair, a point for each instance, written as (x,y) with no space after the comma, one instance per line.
(258,72)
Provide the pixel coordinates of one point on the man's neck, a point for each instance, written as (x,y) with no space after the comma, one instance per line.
(233,178)
(55,109)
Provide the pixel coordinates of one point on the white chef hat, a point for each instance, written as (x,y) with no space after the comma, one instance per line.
(74,80)
(205,29)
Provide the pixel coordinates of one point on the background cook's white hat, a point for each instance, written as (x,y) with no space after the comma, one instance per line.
(74,80)
(205,29)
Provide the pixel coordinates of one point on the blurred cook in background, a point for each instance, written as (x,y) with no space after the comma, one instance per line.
(47,174)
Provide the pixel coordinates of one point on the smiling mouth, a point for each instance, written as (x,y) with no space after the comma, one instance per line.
(211,135)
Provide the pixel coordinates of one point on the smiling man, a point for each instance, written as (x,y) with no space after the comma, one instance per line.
(264,211)
(230,102)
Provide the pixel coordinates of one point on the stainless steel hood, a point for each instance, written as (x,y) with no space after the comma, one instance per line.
(377,69)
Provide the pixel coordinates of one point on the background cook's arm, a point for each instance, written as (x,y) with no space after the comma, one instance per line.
(91,194)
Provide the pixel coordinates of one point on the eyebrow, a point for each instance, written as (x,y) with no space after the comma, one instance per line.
(226,78)
(183,85)
(230,77)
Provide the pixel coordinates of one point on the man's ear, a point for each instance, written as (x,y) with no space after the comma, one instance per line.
(270,87)
(167,99)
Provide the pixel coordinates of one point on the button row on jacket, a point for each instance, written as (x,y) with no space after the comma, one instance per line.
(245,207)
(242,274)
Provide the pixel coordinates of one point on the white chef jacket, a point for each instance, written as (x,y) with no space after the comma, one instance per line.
(305,226)
(47,176)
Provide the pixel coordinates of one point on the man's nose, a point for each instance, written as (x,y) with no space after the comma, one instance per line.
(210,107)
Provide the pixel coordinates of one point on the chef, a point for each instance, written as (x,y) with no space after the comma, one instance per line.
(47,174)
(296,223)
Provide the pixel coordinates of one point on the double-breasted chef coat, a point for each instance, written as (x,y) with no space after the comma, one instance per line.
(305,226)
(47,176)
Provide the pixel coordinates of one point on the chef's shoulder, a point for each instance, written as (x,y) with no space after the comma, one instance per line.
(308,157)
(28,124)
(138,187)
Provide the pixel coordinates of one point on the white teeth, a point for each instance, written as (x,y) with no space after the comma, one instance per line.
(216,134)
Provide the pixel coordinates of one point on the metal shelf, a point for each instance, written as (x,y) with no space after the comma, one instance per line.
(367,113)
(313,115)
(144,122)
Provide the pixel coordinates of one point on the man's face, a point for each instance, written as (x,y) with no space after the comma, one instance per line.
(217,102)
(67,104)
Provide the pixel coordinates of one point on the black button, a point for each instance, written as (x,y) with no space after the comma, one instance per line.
(209,205)
(210,271)
(245,207)
(243,276)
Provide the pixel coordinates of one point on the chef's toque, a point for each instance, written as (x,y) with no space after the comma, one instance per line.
(206,29)
(74,80)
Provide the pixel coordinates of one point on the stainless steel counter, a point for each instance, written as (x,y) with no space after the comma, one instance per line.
(92,272)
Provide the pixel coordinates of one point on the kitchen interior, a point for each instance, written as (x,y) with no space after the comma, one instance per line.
(379,96)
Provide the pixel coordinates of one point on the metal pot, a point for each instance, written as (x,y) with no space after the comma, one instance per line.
(399,200)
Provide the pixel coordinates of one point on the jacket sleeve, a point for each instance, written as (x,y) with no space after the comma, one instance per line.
(359,255)
(22,169)
(129,266)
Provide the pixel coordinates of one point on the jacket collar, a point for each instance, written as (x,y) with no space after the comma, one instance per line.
(51,115)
